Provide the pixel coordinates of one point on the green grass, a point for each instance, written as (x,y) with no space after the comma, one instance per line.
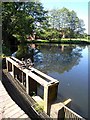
(66,41)
(39,107)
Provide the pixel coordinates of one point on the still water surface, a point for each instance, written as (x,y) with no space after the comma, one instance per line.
(69,65)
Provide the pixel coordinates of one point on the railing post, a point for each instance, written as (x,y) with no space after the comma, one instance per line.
(7,64)
(13,71)
(46,99)
(61,114)
(22,78)
(27,84)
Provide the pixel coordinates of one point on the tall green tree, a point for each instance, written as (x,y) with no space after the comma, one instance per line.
(66,21)
(15,21)
(21,19)
(53,18)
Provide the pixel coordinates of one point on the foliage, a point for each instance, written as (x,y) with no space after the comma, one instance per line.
(22,51)
(67,22)
(21,18)
(6,51)
(49,34)
(89,37)
(26,18)
(39,107)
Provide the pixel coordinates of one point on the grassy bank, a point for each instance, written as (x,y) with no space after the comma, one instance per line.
(63,41)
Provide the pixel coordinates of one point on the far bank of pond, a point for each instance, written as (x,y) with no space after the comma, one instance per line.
(62,41)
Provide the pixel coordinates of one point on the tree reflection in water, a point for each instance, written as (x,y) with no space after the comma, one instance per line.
(59,58)
(53,57)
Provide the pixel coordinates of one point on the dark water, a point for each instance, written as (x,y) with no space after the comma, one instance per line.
(69,65)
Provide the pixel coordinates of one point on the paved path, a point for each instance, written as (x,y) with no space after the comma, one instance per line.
(8,108)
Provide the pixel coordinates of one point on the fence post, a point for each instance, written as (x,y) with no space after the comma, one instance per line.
(27,84)
(46,99)
(13,71)
(61,114)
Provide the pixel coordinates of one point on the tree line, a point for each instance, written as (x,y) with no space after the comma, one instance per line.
(67,22)
(20,20)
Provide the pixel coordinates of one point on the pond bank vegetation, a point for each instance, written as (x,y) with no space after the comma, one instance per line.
(62,41)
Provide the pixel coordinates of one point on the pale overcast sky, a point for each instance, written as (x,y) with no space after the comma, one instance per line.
(79,6)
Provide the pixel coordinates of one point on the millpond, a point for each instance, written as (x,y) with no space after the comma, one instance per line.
(68,64)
